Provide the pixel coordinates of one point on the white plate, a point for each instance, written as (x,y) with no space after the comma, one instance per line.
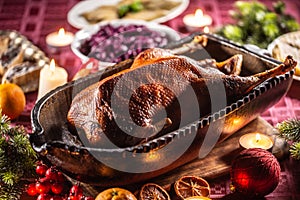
(292,38)
(88,31)
(79,22)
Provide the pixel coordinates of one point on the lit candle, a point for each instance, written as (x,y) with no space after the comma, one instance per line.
(197,21)
(206,29)
(51,77)
(256,140)
(60,38)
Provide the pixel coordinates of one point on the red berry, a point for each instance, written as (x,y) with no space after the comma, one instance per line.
(31,191)
(41,169)
(89,198)
(51,173)
(44,197)
(76,191)
(57,188)
(42,186)
(60,177)
(56,198)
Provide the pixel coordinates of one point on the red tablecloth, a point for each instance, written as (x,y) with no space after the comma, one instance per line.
(37,18)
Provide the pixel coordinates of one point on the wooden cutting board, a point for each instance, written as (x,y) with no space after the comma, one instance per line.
(217,163)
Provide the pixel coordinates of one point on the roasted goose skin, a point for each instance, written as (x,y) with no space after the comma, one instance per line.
(152,99)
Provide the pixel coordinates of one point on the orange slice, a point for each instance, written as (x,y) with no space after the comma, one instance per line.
(152,191)
(191,186)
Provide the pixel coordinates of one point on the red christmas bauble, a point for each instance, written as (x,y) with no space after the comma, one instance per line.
(255,172)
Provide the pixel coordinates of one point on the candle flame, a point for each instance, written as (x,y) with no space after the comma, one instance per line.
(257,137)
(61,32)
(52,65)
(199,14)
(206,29)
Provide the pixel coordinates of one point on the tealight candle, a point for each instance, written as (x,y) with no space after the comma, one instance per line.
(197,21)
(51,77)
(60,38)
(256,140)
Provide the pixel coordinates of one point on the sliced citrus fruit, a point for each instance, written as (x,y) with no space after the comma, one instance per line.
(115,194)
(191,186)
(197,198)
(152,191)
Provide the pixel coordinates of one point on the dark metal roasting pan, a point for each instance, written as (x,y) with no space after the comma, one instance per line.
(61,147)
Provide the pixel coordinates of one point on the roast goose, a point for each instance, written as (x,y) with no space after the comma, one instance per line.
(159,93)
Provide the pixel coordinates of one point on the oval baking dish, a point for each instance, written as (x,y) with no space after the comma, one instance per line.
(56,144)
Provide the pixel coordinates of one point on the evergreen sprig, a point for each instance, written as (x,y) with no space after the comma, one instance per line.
(17,159)
(290,131)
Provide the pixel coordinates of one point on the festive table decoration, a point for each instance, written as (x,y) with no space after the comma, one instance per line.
(191,186)
(256,140)
(197,21)
(17,159)
(255,172)
(60,39)
(290,131)
(153,191)
(50,78)
(12,100)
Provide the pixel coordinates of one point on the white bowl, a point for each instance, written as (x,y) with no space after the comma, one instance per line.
(87,32)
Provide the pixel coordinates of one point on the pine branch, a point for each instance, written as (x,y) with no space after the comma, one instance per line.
(4,123)
(289,130)
(295,150)
(10,192)
(17,159)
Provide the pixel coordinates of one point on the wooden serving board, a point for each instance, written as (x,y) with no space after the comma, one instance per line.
(217,163)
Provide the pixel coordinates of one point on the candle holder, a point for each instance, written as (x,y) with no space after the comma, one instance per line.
(197,21)
(256,140)
(58,41)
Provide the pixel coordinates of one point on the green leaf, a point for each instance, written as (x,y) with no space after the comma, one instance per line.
(271,30)
(233,32)
(279,7)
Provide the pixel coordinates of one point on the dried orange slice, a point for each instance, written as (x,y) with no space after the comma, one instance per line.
(197,198)
(191,186)
(152,191)
(115,194)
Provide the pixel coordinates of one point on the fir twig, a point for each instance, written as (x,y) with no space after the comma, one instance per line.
(290,130)
(17,159)
(295,150)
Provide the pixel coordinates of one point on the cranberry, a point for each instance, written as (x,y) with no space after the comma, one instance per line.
(41,169)
(60,177)
(56,198)
(89,198)
(44,197)
(76,191)
(51,173)
(31,191)
(42,186)
(57,187)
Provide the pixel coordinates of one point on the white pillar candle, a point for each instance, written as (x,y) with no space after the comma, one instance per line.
(60,38)
(50,78)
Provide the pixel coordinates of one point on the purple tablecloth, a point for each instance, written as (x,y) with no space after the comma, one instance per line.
(37,18)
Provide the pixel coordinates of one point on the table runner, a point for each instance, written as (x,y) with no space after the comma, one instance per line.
(37,18)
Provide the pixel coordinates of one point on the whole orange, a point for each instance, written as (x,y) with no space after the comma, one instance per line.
(12,100)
